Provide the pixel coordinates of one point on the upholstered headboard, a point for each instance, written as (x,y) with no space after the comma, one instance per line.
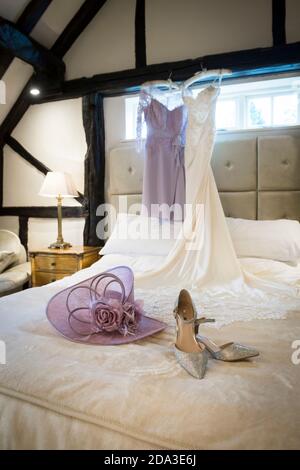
(257,174)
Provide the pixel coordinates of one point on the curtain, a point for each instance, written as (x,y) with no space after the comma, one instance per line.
(93,121)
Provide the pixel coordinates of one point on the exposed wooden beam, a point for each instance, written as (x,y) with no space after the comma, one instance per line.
(278,22)
(75,27)
(27,49)
(23,231)
(43,212)
(79,22)
(32,14)
(242,63)
(26,22)
(20,150)
(140,34)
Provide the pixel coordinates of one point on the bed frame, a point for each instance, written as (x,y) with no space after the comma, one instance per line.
(257,173)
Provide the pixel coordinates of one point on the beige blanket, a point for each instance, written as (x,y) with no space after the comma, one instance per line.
(55,394)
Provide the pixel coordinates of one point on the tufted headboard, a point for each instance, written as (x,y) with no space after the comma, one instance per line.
(257,174)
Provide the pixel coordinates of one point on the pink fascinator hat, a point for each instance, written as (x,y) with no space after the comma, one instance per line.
(102,310)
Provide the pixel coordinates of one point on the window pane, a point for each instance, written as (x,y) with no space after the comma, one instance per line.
(285,109)
(226,115)
(131,119)
(259,112)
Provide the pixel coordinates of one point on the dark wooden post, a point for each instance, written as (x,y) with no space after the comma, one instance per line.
(140,34)
(23,231)
(278,22)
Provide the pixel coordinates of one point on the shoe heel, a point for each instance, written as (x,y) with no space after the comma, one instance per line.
(190,354)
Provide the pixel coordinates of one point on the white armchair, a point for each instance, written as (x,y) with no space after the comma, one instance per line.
(17,274)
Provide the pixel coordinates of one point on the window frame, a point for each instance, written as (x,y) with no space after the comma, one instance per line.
(242,99)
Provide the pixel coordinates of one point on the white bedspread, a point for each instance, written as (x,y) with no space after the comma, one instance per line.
(56,394)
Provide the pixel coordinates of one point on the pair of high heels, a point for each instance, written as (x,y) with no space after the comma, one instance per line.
(192,350)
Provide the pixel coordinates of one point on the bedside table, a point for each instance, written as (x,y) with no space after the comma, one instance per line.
(50,265)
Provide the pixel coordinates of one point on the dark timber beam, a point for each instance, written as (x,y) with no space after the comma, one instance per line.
(77,25)
(27,49)
(65,41)
(278,22)
(23,231)
(243,63)
(26,22)
(43,212)
(140,34)
(20,150)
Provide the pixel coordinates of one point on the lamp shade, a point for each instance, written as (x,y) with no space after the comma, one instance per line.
(58,184)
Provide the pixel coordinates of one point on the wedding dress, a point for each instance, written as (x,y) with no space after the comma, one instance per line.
(204,260)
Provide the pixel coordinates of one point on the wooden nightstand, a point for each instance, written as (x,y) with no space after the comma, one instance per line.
(49,265)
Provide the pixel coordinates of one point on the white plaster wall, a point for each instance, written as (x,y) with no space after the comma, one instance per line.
(22,183)
(10,223)
(43,232)
(12,9)
(54,134)
(107,44)
(179,29)
(15,80)
(292,20)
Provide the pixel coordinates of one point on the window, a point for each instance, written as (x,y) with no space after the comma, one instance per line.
(131,110)
(251,105)
(227,114)
(259,112)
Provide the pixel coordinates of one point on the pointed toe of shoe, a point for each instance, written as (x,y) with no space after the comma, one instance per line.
(194,363)
(235,352)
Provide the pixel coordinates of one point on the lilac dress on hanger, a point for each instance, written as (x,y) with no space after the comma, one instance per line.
(164,170)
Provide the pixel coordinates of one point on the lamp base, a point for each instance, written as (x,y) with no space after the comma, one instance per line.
(60,246)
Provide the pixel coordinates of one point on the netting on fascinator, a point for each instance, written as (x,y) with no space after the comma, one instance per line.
(105,305)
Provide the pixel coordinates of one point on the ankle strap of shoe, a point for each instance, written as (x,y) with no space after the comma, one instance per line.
(200,321)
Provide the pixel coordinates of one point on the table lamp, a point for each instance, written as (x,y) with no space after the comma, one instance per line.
(59,185)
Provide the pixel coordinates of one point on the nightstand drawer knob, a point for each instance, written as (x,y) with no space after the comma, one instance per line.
(53,264)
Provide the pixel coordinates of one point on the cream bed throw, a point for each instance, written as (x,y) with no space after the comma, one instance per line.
(55,394)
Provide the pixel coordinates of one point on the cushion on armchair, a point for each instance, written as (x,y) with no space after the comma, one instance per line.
(7,258)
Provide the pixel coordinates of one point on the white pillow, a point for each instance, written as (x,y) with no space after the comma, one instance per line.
(138,235)
(6,259)
(270,239)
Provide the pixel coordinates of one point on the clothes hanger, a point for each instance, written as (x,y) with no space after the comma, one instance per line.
(160,83)
(157,88)
(206,74)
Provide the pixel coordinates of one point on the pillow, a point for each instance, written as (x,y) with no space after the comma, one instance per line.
(139,235)
(270,239)
(6,259)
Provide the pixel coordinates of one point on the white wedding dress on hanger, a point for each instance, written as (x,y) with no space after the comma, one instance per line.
(209,267)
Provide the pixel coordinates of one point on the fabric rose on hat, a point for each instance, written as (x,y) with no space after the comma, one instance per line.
(111,315)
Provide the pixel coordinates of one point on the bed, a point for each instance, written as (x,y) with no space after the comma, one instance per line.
(58,395)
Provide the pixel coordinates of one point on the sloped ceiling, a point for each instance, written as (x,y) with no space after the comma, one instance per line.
(12,9)
(54,21)
(47,30)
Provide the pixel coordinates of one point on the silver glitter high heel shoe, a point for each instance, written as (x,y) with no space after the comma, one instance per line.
(229,352)
(190,353)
